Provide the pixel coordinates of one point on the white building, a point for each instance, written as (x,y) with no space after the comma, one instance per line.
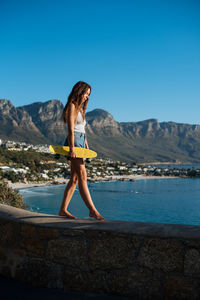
(45,176)
(6,169)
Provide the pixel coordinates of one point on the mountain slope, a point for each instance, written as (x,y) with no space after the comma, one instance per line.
(143,141)
(47,118)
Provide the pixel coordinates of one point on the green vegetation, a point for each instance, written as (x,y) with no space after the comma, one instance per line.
(10,197)
(12,176)
(27,158)
(35,165)
(193,173)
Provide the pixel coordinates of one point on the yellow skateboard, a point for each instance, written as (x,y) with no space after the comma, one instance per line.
(80,152)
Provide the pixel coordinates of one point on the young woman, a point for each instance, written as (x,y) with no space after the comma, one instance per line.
(74,116)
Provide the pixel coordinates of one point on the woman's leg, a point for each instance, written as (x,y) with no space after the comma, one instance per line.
(68,193)
(80,170)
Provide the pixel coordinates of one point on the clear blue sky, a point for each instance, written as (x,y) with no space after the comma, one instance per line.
(142,58)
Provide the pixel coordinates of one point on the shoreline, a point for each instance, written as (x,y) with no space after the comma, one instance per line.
(21,185)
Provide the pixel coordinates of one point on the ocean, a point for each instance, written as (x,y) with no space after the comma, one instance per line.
(169,200)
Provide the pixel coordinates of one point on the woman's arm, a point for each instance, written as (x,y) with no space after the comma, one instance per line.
(70,124)
(86,144)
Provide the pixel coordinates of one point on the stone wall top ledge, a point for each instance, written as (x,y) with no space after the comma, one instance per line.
(9,213)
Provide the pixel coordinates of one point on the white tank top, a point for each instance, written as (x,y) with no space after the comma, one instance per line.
(80,124)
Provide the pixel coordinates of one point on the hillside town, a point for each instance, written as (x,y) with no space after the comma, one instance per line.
(98,169)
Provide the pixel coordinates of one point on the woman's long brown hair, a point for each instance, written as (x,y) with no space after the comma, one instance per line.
(75,97)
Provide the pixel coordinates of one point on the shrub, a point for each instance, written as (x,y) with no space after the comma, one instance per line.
(10,197)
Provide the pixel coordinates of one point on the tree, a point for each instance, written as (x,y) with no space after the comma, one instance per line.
(10,197)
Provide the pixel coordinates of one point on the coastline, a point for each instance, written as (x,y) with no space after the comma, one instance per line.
(21,185)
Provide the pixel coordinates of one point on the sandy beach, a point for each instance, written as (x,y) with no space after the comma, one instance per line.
(21,185)
(25,185)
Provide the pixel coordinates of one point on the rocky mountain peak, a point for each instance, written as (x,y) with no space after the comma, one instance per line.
(43,111)
(149,121)
(6,106)
(5,102)
(100,117)
(99,113)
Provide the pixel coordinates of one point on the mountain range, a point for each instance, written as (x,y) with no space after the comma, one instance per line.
(144,141)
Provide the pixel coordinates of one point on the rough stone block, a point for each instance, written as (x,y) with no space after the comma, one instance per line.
(7,234)
(192,262)
(136,242)
(92,234)
(166,255)
(3,254)
(180,288)
(192,244)
(73,232)
(33,247)
(28,231)
(77,280)
(40,273)
(47,233)
(139,283)
(110,252)
(69,252)
(19,252)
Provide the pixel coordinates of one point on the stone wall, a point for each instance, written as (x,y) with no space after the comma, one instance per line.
(134,259)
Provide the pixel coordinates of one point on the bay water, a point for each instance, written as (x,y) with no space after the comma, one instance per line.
(168,200)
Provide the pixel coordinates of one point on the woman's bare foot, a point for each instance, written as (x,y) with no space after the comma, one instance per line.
(96,215)
(66,214)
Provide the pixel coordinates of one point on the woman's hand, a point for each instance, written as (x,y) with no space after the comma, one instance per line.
(86,145)
(72,153)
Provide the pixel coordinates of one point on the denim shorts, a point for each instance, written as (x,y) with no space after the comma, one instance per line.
(79,139)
